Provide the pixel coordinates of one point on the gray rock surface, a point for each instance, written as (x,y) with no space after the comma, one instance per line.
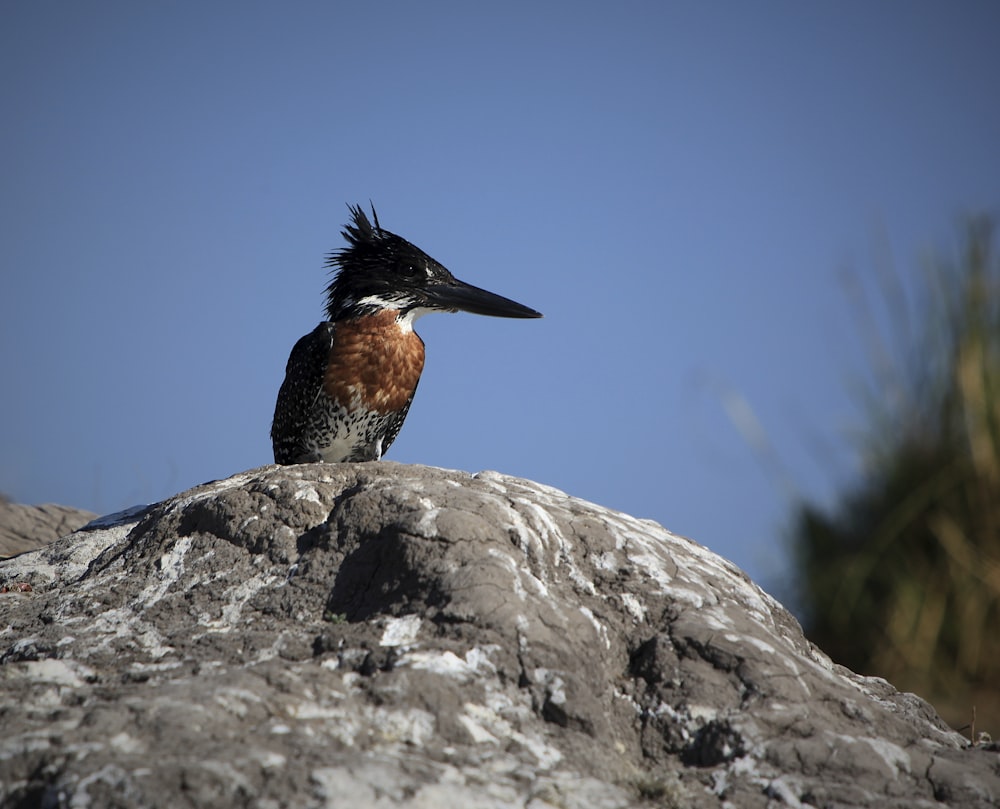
(371,635)
(24,528)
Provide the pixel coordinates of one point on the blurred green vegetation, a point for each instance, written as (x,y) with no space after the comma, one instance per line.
(901,579)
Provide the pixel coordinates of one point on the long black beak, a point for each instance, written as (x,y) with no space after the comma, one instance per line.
(458,295)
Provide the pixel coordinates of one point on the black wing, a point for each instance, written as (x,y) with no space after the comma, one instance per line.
(297,396)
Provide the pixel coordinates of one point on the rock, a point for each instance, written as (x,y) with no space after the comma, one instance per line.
(24,528)
(376,634)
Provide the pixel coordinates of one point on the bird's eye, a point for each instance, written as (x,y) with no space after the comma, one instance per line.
(408,271)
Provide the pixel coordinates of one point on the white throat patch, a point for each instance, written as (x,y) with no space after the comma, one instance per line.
(405,319)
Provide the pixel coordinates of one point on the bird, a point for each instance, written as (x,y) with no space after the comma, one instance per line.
(349,383)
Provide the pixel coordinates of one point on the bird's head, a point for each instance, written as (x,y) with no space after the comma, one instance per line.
(379,270)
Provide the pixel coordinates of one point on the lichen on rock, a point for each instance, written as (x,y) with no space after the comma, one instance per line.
(373,634)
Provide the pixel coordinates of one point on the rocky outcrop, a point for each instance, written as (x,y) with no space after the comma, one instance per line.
(375,634)
(24,528)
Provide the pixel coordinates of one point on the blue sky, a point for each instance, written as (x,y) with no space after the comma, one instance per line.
(679,187)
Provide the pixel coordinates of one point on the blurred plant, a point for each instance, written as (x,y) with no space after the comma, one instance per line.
(902,578)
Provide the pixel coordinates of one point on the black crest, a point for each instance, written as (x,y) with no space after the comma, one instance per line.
(376,263)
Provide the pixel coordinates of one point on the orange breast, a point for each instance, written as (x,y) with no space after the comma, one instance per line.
(373,364)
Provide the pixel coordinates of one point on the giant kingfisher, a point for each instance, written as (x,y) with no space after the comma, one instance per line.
(349,382)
